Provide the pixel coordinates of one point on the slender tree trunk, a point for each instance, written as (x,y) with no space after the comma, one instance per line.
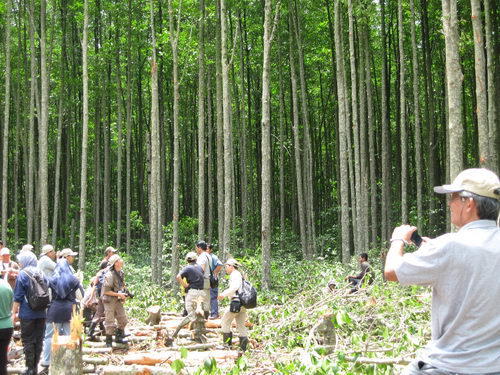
(57,177)
(210,157)
(201,122)
(266,149)
(107,162)
(128,150)
(174,39)
(454,79)
(43,131)
(119,148)
(307,160)
(5,153)
(296,143)
(155,156)
(481,94)
(220,134)
(402,108)
(355,129)
(490,71)
(418,135)
(344,183)
(85,130)
(30,210)
(228,154)
(371,142)
(282,152)
(386,177)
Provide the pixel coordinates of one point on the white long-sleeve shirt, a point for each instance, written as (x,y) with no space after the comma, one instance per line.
(235,284)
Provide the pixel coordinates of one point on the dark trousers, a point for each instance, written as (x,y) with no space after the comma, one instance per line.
(32,335)
(5,335)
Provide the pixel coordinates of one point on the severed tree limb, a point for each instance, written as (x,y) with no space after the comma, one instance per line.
(380,361)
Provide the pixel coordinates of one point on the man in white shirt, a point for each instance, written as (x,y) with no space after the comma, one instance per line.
(47,263)
(205,261)
(461,268)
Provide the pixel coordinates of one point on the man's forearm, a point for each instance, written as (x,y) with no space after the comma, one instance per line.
(394,255)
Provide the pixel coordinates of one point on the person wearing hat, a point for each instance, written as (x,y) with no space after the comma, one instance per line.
(110,251)
(461,268)
(113,297)
(46,262)
(32,321)
(235,310)
(191,279)
(8,268)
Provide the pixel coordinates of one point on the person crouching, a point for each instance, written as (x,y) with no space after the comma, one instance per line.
(235,310)
(113,299)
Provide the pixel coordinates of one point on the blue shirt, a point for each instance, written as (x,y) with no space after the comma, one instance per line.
(22,285)
(215,262)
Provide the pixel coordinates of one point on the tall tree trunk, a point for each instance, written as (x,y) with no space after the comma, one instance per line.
(386,176)
(307,160)
(342,100)
(5,151)
(454,79)
(119,151)
(85,134)
(210,158)
(402,108)
(128,150)
(201,122)
(296,143)
(371,141)
(358,243)
(107,162)
(481,98)
(43,131)
(490,70)
(220,134)
(228,152)
(266,148)
(282,151)
(174,39)
(416,103)
(155,156)
(30,210)
(57,177)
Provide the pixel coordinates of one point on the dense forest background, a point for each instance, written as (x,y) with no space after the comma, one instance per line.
(310,127)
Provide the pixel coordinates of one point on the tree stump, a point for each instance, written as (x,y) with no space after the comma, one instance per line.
(66,355)
(154,317)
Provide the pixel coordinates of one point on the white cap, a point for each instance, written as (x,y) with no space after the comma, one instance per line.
(67,252)
(479,181)
(27,247)
(47,249)
(4,251)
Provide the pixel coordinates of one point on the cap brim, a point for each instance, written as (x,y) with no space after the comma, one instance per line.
(446,189)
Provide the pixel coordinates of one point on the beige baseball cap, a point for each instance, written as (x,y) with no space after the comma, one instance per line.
(67,252)
(480,181)
(113,259)
(47,249)
(191,256)
(232,262)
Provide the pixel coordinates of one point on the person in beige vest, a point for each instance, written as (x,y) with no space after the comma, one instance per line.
(114,296)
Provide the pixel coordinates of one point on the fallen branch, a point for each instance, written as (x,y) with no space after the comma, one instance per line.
(379,361)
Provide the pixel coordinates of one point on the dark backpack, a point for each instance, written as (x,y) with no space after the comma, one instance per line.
(100,281)
(248,295)
(37,293)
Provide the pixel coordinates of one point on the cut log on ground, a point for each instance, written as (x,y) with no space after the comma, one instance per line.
(136,370)
(153,358)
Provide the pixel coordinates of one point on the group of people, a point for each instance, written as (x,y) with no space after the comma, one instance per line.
(200,280)
(26,289)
